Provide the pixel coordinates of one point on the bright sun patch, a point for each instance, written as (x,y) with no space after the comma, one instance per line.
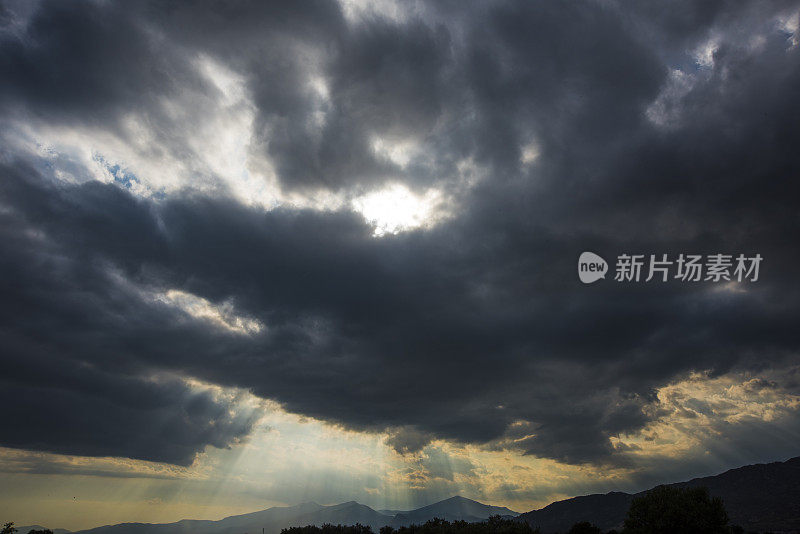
(396,209)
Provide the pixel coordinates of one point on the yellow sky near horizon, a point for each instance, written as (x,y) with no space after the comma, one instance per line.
(290,459)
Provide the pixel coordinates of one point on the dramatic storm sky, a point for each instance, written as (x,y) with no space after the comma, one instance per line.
(261,253)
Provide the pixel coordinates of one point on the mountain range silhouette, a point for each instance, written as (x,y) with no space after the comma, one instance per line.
(760,497)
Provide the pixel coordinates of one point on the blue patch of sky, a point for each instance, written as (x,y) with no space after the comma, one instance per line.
(124,177)
(120,175)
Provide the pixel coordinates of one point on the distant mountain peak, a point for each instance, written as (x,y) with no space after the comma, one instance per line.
(453,508)
(467,501)
(348,504)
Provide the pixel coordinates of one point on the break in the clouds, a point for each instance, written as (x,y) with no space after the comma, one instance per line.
(370,214)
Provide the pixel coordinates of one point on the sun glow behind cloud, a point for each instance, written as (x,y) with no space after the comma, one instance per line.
(139,156)
(203,140)
(396,208)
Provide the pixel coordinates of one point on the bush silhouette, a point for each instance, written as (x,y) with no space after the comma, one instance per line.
(584,527)
(493,525)
(329,529)
(666,510)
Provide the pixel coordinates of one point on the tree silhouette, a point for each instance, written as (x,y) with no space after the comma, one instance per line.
(666,510)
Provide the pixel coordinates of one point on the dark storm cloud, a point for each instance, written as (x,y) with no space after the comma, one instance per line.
(88,64)
(476,330)
(65,390)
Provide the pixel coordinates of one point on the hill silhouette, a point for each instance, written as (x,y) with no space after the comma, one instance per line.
(452,509)
(273,520)
(760,497)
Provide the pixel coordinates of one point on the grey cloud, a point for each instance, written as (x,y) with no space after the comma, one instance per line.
(89,62)
(408,440)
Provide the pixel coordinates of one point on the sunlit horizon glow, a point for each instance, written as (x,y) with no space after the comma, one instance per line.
(290,459)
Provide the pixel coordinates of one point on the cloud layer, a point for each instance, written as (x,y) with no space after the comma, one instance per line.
(548,129)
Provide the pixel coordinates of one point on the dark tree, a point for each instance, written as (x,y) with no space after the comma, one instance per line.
(8,528)
(666,510)
(584,527)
